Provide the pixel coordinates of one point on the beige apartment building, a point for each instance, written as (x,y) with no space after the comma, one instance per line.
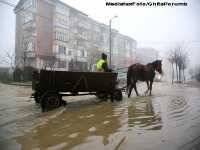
(54,35)
(146,55)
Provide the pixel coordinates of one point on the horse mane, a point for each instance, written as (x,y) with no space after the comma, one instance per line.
(154,63)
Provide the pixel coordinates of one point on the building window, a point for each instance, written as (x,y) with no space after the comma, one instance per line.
(88,45)
(81,53)
(89,25)
(29,3)
(61,36)
(105,48)
(29,46)
(128,53)
(95,38)
(46,63)
(97,29)
(81,43)
(61,64)
(105,39)
(62,49)
(89,36)
(70,53)
(61,23)
(62,10)
(128,46)
(29,17)
(115,42)
(79,31)
(59,49)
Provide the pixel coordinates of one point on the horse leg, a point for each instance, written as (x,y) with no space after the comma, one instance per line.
(135,88)
(131,87)
(147,87)
(151,82)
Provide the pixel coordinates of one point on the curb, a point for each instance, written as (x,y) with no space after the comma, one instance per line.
(18,84)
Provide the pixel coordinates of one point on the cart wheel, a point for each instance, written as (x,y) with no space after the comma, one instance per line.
(117,95)
(37,97)
(51,100)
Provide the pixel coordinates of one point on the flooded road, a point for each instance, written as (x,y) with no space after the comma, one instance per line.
(167,120)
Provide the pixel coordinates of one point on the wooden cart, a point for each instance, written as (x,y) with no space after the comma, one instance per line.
(50,86)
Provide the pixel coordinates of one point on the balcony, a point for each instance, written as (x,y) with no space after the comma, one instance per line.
(63,57)
(81,24)
(81,59)
(29,27)
(81,36)
(60,16)
(81,47)
(30,54)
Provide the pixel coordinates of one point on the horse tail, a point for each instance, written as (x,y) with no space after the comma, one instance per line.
(129,73)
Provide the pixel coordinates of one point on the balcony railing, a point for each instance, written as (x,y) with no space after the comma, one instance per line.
(82,36)
(81,24)
(29,26)
(79,58)
(30,54)
(63,56)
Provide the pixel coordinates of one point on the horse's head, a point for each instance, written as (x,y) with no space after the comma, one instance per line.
(159,66)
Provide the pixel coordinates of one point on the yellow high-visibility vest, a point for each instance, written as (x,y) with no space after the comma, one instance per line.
(100,63)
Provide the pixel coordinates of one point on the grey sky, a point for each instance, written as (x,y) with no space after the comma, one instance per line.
(150,26)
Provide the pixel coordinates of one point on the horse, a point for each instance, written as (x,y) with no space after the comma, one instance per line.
(143,73)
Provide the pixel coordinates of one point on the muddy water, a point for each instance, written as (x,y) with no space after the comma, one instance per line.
(167,120)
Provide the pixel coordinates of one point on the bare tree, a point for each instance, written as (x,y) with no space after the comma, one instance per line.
(182,59)
(178,55)
(170,58)
(52,61)
(93,57)
(9,59)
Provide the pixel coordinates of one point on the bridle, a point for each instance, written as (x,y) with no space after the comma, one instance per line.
(158,67)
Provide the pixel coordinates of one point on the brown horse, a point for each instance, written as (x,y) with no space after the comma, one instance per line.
(143,73)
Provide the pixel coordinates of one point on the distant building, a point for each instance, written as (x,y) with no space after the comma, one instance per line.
(5,71)
(146,55)
(54,35)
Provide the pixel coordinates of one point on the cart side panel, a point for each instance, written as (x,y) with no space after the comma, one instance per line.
(64,81)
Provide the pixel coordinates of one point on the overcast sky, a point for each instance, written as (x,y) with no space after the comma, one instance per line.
(150,26)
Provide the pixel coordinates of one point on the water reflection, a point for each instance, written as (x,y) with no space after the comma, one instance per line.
(75,127)
(93,124)
(142,114)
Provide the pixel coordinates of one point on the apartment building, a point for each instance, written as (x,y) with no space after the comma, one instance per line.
(146,55)
(54,35)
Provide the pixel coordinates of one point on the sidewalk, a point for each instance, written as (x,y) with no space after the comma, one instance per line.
(29,83)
